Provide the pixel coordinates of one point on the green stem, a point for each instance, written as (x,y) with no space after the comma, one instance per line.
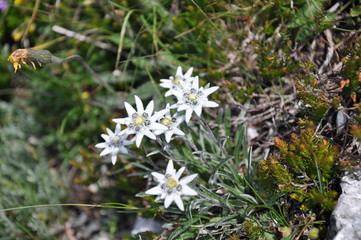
(166,148)
(210,133)
(104,205)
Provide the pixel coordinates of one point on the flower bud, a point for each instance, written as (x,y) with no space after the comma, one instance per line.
(30,56)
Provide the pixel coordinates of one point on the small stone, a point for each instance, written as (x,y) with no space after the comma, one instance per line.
(346,217)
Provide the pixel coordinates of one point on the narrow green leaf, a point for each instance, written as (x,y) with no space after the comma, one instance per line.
(241,144)
(213,197)
(221,163)
(182,229)
(121,37)
(227,122)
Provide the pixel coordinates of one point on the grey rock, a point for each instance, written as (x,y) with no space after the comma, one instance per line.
(79,221)
(341,120)
(101,236)
(146,225)
(93,227)
(346,217)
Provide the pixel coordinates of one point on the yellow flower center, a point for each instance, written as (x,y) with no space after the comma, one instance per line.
(165,121)
(177,80)
(115,140)
(171,183)
(139,120)
(192,96)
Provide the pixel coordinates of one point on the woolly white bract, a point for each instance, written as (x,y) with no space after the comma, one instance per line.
(170,188)
(172,123)
(115,143)
(178,82)
(141,121)
(193,98)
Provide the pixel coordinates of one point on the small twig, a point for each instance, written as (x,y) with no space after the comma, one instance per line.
(32,19)
(312,50)
(296,185)
(210,133)
(304,228)
(83,38)
(334,7)
(330,50)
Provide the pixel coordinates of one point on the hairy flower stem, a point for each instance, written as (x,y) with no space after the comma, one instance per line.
(143,159)
(188,141)
(210,133)
(166,148)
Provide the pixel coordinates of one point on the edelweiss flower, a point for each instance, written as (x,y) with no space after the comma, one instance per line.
(115,143)
(172,123)
(177,82)
(141,122)
(194,99)
(170,188)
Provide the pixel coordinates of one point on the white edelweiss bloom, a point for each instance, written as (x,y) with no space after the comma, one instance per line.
(170,187)
(115,143)
(177,82)
(172,123)
(141,121)
(193,99)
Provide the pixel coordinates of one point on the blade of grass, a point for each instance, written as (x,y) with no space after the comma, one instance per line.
(103,205)
(121,36)
(182,229)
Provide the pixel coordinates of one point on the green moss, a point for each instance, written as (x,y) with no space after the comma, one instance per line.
(316,101)
(304,169)
(352,69)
